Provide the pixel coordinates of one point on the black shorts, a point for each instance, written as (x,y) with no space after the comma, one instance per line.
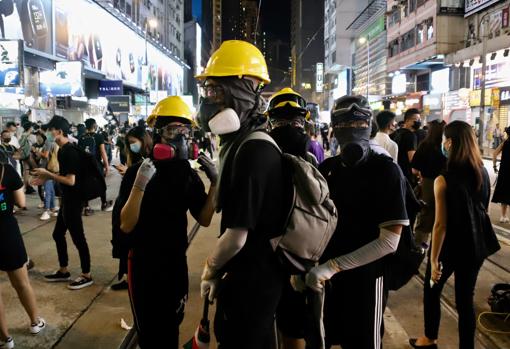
(291,313)
(12,249)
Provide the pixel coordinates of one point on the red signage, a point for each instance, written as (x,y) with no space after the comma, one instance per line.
(504,17)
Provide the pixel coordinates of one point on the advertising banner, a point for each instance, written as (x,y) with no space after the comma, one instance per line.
(65,80)
(319,78)
(504,96)
(118,104)
(29,20)
(452,7)
(11,63)
(110,88)
(496,75)
(111,48)
(474,6)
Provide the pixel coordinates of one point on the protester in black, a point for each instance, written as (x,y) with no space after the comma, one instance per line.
(69,215)
(462,237)
(94,143)
(155,197)
(250,197)
(405,138)
(287,113)
(353,260)
(139,146)
(502,190)
(13,257)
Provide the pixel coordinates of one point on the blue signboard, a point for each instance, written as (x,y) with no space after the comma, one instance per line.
(110,88)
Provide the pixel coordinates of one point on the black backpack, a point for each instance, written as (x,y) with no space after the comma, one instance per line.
(87,143)
(90,182)
(499,300)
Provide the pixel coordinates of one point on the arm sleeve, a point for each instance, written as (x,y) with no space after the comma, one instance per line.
(391,207)
(386,243)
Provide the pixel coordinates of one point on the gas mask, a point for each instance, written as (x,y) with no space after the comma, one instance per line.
(176,148)
(225,122)
(352,124)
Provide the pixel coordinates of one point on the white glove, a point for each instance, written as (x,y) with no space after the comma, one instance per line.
(144,174)
(318,275)
(209,289)
(298,283)
(210,282)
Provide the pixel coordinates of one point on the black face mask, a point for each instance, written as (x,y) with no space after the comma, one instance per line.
(206,111)
(292,140)
(354,144)
(417,125)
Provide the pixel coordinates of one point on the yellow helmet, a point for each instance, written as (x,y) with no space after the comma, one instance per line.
(173,106)
(236,58)
(287,103)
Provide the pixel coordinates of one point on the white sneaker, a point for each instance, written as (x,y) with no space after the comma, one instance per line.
(41,205)
(9,344)
(45,216)
(54,213)
(56,209)
(503,219)
(37,327)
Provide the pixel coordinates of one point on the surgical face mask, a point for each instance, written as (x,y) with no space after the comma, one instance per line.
(135,147)
(354,144)
(417,124)
(49,137)
(444,151)
(225,122)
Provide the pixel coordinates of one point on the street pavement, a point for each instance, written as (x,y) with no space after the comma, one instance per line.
(91,317)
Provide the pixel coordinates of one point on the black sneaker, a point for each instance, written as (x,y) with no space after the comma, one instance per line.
(57,277)
(123,285)
(107,206)
(29,191)
(80,282)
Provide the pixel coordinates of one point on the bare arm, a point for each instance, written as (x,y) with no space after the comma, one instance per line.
(104,157)
(205,216)
(498,151)
(130,213)
(43,174)
(19,197)
(439,229)
(410,154)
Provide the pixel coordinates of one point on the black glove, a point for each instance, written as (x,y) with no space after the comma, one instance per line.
(208,166)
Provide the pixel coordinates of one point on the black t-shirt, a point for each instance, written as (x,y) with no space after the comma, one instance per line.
(161,231)
(99,139)
(255,201)
(69,163)
(406,141)
(367,197)
(429,160)
(10,183)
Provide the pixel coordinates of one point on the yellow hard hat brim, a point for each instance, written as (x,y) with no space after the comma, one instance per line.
(218,75)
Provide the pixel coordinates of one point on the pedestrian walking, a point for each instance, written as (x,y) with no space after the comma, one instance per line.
(462,237)
(250,197)
(69,215)
(353,260)
(93,143)
(13,256)
(429,162)
(154,197)
(497,137)
(502,191)
(386,124)
(405,138)
(288,115)
(138,144)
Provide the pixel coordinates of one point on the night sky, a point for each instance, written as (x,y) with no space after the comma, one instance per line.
(276,18)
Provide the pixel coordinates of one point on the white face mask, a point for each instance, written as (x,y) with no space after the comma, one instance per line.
(226,121)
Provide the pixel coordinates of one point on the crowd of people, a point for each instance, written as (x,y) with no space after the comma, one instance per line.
(374,171)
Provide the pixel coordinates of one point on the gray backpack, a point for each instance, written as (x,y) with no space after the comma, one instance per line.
(312,218)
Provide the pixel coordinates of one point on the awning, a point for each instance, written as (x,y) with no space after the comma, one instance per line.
(369,11)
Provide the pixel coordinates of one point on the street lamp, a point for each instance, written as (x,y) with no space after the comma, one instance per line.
(151,23)
(362,41)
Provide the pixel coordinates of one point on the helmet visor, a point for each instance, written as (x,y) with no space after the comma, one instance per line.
(280,100)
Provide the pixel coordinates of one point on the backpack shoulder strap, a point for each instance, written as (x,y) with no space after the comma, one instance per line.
(261,136)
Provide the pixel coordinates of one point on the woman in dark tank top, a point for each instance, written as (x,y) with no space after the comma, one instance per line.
(462,236)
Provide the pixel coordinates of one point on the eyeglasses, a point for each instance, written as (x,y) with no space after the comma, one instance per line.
(355,109)
(351,124)
(213,93)
(174,129)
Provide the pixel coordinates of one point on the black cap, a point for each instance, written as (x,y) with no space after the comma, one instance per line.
(58,123)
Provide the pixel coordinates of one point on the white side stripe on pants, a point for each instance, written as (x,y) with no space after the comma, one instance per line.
(378,312)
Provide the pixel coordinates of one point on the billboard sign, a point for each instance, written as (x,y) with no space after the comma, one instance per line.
(474,6)
(28,20)
(118,104)
(11,63)
(65,80)
(319,78)
(110,88)
(451,7)
(113,48)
